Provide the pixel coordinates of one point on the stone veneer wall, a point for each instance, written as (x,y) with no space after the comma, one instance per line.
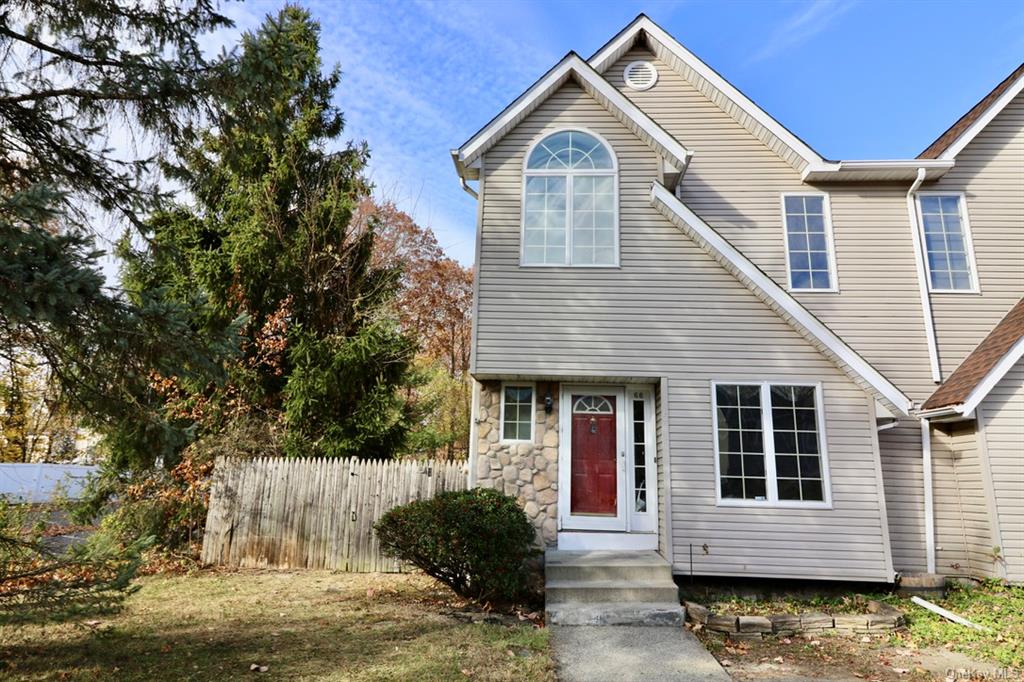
(526,471)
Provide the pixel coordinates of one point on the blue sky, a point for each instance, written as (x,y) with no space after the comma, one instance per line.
(865,79)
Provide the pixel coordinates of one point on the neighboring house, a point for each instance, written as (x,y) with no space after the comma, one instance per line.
(692,333)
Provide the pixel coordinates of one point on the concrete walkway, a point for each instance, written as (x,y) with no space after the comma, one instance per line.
(622,653)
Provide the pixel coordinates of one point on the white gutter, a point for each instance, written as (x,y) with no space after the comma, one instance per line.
(467,189)
(929,502)
(922,277)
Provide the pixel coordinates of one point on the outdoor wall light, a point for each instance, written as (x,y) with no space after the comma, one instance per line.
(549,404)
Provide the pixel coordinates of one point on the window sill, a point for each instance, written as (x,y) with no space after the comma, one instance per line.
(773,505)
(615,266)
(812,291)
(960,292)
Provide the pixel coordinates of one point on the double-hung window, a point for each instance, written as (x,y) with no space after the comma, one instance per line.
(947,243)
(770,444)
(517,412)
(810,253)
(570,207)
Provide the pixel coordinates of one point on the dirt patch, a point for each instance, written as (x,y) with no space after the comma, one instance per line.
(835,657)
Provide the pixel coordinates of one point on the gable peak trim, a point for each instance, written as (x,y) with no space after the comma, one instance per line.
(573,67)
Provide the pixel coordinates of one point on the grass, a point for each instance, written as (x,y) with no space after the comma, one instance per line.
(991,604)
(301,625)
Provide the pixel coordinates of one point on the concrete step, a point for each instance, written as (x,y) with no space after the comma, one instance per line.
(616,613)
(605,565)
(595,591)
(610,566)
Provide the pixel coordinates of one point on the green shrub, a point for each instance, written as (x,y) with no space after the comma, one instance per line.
(475,541)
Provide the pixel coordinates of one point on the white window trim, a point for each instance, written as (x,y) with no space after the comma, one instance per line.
(613,172)
(533,411)
(833,273)
(771,484)
(965,223)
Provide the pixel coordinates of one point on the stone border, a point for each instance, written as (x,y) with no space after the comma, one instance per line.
(880,618)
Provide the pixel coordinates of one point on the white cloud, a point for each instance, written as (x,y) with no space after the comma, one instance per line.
(801,27)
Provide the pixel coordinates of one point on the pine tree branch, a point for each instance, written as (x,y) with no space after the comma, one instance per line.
(64,54)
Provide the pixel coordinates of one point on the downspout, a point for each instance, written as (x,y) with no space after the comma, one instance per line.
(929,503)
(922,277)
(933,357)
(467,189)
(474,414)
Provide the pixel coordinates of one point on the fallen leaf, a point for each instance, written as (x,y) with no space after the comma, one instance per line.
(466,672)
(725,663)
(787,640)
(815,642)
(778,659)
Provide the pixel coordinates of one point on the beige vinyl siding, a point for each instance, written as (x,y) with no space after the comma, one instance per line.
(735,183)
(1002,416)
(670,311)
(902,471)
(963,535)
(990,171)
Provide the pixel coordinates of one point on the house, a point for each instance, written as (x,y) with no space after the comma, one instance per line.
(695,335)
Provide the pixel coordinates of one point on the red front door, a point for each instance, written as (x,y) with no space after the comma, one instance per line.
(594,468)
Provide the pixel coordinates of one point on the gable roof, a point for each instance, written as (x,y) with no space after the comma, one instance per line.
(949,143)
(791,148)
(779,300)
(723,93)
(982,369)
(571,67)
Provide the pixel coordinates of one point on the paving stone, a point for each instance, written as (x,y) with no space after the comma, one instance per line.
(850,621)
(754,624)
(815,621)
(784,623)
(722,623)
(696,613)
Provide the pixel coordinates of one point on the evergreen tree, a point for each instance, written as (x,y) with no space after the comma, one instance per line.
(73,73)
(270,237)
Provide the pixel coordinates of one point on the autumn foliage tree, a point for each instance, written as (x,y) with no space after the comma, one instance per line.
(434,306)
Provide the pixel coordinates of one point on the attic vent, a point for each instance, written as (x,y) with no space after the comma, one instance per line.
(640,75)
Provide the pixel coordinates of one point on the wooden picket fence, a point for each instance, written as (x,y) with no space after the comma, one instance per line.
(313,513)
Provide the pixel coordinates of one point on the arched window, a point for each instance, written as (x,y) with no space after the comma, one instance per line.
(570,211)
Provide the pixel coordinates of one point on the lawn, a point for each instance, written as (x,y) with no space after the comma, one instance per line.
(299,625)
(997,607)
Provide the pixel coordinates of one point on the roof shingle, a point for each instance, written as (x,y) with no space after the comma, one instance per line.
(979,363)
(947,138)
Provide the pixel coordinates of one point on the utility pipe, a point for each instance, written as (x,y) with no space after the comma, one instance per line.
(929,502)
(922,276)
